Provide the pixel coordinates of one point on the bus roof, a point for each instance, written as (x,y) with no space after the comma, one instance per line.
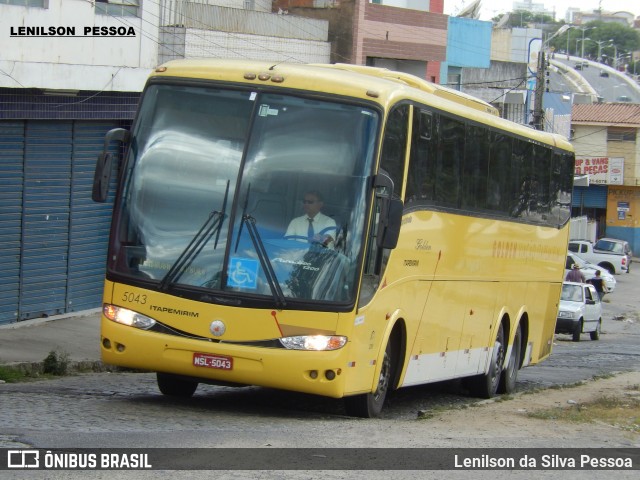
(420,84)
(374,84)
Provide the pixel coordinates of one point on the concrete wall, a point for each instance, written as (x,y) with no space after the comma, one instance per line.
(221,32)
(501,76)
(214,44)
(234,20)
(82,62)
(515,45)
(172,10)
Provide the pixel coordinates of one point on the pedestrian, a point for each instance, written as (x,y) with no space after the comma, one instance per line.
(599,285)
(575,275)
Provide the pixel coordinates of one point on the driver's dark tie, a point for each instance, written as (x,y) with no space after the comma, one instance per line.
(310,232)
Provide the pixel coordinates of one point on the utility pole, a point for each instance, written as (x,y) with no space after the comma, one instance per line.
(538,114)
(541,82)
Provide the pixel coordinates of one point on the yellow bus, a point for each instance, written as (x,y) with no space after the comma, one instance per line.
(438,248)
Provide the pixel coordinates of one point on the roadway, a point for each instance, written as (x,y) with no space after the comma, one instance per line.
(594,78)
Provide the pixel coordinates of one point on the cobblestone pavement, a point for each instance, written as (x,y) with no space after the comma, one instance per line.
(126,410)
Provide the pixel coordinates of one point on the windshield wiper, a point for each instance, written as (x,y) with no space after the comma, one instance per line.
(212,226)
(263,257)
(269,272)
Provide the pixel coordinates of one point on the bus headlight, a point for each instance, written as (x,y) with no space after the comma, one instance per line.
(127,317)
(314,342)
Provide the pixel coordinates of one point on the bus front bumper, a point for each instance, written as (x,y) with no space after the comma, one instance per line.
(314,372)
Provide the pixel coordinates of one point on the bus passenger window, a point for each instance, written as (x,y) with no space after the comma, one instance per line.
(450,155)
(474,168)
(499,181)
(394,146)
(420,177)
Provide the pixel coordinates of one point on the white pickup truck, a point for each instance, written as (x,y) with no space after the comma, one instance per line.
(613,262)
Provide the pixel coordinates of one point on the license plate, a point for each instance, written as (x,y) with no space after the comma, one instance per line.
(212,361)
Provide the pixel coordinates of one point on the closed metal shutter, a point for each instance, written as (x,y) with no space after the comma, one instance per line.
(54,237)
(593,196)
(11,180)
(90,221)
(45,227)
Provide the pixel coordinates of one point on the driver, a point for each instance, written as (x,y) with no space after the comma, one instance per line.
(313,226)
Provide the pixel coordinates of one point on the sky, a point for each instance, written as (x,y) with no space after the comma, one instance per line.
(491,8)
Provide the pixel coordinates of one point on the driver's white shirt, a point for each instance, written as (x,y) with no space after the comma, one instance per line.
(300,225)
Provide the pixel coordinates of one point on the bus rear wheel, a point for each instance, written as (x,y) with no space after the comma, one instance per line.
(486,385)
(510,372)
(174,386)
(369,405)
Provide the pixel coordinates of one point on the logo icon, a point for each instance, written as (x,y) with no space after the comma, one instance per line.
(23,459)
(217,328)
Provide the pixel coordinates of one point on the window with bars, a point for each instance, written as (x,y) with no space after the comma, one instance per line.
(27,3)
(118,8)
(617,134)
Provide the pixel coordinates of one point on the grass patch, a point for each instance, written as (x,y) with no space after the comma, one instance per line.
(11,374)
(622,411)
(56,364)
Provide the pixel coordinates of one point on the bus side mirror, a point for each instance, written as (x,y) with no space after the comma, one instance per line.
(391,210)
(388,234)
(101,177)
(102,174)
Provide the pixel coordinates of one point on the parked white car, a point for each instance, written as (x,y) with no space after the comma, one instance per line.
(580,311)
(615,261)
(614,245)
(589,270)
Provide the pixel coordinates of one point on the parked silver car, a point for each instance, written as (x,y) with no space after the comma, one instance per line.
(580,311)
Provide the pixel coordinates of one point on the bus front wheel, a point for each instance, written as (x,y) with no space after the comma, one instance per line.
(175,386)
(369,405)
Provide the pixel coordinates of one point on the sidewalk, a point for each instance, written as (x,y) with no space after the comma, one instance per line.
(76,335)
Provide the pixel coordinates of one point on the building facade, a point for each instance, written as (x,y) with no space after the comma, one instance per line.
(70,71)
(378,34)
(240,29)
(605,136)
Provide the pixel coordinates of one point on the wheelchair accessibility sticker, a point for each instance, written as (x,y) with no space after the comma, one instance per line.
(243,273)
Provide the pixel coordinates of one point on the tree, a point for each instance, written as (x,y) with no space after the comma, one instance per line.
(598,34)
(524,18)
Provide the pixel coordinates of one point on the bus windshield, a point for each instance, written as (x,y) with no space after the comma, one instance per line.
(218,183)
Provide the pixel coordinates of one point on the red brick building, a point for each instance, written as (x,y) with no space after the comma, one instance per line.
(364,33)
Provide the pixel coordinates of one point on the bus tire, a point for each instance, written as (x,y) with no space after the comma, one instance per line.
(174,386)
(510,372)
(369,405)
(486,385)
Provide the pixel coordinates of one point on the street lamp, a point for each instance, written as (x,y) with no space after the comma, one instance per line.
(584,29)
(615,53)
(581,40)
(623,55)
(600,44)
